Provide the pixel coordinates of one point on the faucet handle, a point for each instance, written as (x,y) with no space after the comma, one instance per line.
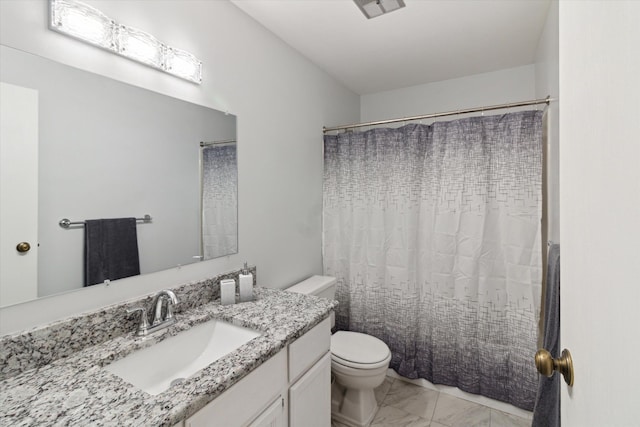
(143,326)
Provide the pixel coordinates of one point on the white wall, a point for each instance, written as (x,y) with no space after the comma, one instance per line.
(281,100)
(547,84)
(498,87)
(600,209)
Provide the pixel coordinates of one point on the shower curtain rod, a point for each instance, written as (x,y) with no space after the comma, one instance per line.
(546,100)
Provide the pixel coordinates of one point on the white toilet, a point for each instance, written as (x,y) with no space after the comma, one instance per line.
(359,363)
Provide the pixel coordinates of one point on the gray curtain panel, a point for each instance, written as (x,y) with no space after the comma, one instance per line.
(433,233)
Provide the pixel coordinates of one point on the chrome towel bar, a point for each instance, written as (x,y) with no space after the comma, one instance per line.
(66,223)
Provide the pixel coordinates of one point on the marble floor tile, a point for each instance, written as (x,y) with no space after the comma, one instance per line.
(389,416)
(402,404)
(454,412)
(411,398)
(501,419)
(382,390)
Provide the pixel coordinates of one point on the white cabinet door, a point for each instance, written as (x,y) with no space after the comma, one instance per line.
(273,416)
(310,397)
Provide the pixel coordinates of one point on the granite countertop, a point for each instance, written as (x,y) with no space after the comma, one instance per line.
(75,390)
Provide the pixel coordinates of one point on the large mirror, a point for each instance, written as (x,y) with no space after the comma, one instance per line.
(105,149)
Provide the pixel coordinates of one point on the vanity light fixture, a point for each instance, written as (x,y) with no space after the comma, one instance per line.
(86,23)
(139,46)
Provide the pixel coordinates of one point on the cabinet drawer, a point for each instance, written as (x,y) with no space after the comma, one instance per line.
(307,349)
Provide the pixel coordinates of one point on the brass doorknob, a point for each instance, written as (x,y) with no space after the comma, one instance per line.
(23,247)
(547,365)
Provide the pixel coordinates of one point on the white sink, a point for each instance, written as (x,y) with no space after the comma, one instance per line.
(153,369)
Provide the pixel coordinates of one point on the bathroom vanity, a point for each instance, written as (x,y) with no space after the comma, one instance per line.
(279,378)
(297,379)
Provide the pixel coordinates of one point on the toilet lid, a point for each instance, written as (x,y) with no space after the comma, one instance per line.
(358,348)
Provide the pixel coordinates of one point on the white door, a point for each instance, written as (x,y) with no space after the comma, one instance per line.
(18,193)
(600,210)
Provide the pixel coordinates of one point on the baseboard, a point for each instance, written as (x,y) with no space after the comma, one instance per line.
(475,398)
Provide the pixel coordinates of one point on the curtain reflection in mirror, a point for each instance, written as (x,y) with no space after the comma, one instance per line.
(219,199)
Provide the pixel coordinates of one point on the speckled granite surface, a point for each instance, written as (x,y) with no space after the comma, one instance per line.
(42,345)
(75,390)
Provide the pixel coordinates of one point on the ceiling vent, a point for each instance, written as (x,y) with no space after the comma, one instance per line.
(373,8)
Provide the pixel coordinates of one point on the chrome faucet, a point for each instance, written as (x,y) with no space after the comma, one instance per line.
(168,296)
(158,322)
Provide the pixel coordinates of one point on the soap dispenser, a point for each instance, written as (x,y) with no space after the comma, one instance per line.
(246,284)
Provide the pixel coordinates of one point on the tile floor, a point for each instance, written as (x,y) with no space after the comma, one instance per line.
(404,404)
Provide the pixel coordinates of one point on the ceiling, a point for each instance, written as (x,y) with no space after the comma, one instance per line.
(427,41)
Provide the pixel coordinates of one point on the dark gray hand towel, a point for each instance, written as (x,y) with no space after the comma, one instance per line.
(110,249)
(546,412)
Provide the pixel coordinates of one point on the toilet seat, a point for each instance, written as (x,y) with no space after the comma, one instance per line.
(359,351)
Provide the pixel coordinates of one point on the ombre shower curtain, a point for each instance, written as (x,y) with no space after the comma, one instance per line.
(434,234)
(219,200)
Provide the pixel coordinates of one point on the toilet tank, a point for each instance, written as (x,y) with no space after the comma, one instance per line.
(320,286)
